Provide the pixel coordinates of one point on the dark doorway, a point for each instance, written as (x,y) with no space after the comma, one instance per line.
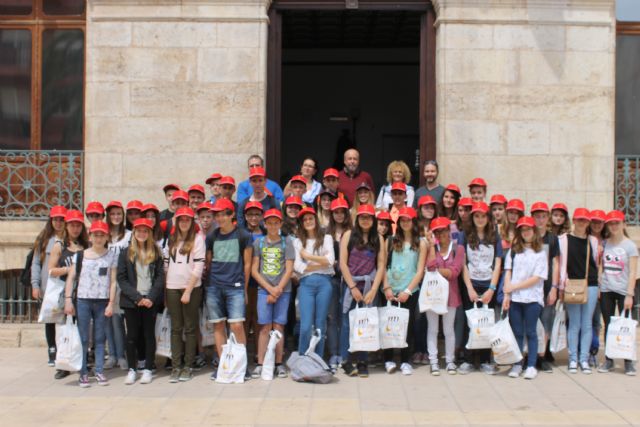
(350,77)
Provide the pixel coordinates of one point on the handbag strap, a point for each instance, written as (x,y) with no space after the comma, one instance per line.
(586,269)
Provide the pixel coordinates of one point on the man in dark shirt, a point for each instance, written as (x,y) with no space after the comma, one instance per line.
(431,186)
(351,176)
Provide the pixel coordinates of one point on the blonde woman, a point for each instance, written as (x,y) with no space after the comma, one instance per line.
(397,171)
(364,196)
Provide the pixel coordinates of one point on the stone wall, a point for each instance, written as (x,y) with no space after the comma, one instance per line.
(525,97)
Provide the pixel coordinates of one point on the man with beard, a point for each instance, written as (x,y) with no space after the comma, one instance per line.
(431,186)
(351,176)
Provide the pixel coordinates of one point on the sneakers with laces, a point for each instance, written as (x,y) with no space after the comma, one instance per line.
(83,381)
(175,375)
(349,369)
(466,368)
(60,374)
(147,377)
(530,373)
(199,363)
(515,371)
(390,367)
(363,370)
(101,379)
(452,369)
(214,375)
(186,374)
(257,372)
(629,368)
(435,369)
(131,377)
(334,363)
(606,366)
(489,368)
(406,369)
(573,367)
(281,371)
(585,368)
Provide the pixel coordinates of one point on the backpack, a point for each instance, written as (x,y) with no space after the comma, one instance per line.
(25,276)
(309,367)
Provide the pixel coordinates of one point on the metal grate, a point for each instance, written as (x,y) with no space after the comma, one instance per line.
(627,187)
(16,304)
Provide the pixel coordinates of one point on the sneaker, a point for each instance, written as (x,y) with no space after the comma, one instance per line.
(199,363)
(452,369)
(390,367)
(416,359)
(168,365)
(110,363)
(52,357)
(215,362)
(141,364)
(363,370)
(186,374)
(530,373)
(175,375)
(515,371)
(406,369)
(257,372)
(131,377)
(281,371)
(247,374)
(606,366)
(545,366)
(147,376)
(60,374)
(489,368)
(334,363)
(425,359)
(586,369)
(83,381)
(122,363)
(629,368)
(435,369)
(592,361)
(102,380)
(466,368)
(573,367)
(350,369)
(214,375)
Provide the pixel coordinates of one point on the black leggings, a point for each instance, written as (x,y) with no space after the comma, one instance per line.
(608,303)
(141,323)
(50,333)
(405,353)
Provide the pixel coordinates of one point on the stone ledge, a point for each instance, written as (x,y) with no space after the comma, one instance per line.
(13,335)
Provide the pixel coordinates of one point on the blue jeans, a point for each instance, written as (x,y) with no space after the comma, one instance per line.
(115,336)
(225,303)
(523,318)
(88,309)
(580,326)
(314,297)
(334,320)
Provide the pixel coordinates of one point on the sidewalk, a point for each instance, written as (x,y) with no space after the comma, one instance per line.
(30,396)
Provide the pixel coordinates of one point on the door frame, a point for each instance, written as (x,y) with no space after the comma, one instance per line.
(427,96)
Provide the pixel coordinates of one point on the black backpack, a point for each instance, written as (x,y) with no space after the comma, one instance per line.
(25,276)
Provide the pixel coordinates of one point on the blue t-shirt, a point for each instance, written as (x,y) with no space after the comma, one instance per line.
(268,202)
(245,190)
(227,264)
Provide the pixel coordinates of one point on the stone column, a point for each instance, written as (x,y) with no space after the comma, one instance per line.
(525,97)
(175,90)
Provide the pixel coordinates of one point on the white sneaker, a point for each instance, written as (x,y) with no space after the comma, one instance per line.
(131,377)
(147,377)
(515,371)
(123,364)
(110,363)
(586,369)
(406,369)
(390,367)
(530,373)
(573,367)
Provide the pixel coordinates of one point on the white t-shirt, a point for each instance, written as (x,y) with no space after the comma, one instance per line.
(615,266)
(525,265)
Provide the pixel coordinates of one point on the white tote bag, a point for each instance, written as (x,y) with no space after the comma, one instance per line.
(233,362)
(480,321)
(503,343)
(394,322)
(69,346)
(206,329)
(542,343)
(558,340)
(363,329)
(269,362)
(51,311)
(621,337)
(163,334)
(434,293)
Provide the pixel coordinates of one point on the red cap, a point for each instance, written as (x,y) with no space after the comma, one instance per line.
(581,213)
(499,199)
(94,208)
(598,215)
(479,207)
(539,207)
(293,200)
(213,177)
(399,186)
(298,178)
(478,182)
(227,180)
(384,216)
(273,213)
(57,212)
(150,207)
(465,201)
(170,187)
(439,223)
(204,205)
(114,204)
(222,205)
(615,216)
(526,221)
(339,204)
(185,211)
(306,210)
(99,227)
(143,222)
(196,187)
(363,184)
(515,205)
(331,172)
(253,205)
(180,194)
(74,215)
(560,206)
(407,212)
(366,210)
(454,188)
(137,204)
(257,171)
(426,200)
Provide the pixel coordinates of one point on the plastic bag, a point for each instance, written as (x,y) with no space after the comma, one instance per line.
(480,321)
(269,362)
(434,293)
(52,308)
(233,362)
(163,334)
(309,367)
(364,334)
(503,343)
(621,337)
(394,322)
(206,329)
(542,343)
(558,341)
(69,346)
